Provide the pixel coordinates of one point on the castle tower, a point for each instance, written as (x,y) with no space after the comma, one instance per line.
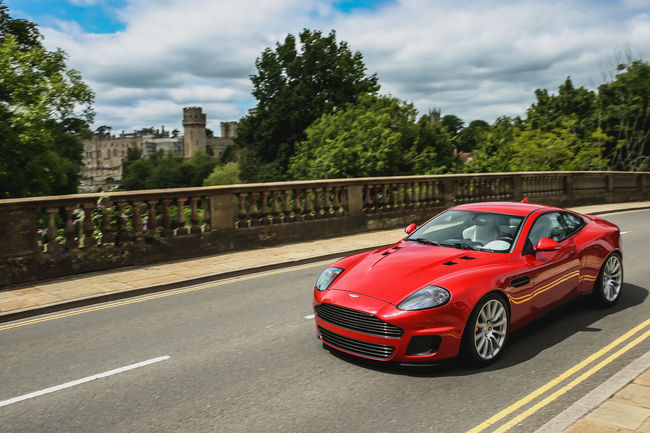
(229,129)
(194,126)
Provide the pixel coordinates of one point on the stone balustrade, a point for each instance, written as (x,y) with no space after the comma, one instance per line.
(43,237)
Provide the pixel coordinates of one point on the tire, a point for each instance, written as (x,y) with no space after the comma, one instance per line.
(608,285)
(487,330)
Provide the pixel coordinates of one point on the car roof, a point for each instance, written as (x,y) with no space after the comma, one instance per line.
(507,207)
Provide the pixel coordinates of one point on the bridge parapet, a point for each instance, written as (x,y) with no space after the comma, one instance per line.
(45,237)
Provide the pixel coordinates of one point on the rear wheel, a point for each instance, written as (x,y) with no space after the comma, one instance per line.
(607,288)
(486,331)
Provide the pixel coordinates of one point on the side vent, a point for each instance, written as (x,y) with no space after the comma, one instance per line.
(467,258)
(520,281)
(450,263)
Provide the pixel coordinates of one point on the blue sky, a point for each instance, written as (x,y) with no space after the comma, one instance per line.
(93,16)
(478,59)
(101,16)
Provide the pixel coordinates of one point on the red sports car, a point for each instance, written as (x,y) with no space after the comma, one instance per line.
(462,281)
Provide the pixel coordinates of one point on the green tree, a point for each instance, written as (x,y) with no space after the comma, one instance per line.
(625,115)
(495,152)
(294,87)
(45,110)
(470,137)
(369,138)
(452,123)
(25,32)
(164,170)
(509,147)
(560,149)
(135,174)
(226,174)
(433,149)
(553,111)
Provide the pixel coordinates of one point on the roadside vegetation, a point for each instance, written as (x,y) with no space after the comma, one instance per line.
(45,110)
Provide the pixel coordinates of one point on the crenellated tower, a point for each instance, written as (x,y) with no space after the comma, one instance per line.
(194,125)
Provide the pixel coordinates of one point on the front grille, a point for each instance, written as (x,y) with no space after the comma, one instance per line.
(357,321)
(363,348)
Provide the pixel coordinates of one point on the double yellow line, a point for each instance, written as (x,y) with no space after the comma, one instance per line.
(564,376)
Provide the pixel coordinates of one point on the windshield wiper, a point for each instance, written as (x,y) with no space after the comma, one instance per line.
(424,241)
(460,245)
(464,245)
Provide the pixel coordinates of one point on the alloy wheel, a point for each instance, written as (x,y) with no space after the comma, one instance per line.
(612,278)
(490,329)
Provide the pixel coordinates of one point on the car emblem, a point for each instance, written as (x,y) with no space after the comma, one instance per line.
(353,296)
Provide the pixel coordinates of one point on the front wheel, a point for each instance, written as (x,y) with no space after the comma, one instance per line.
(607,288)
(486,331)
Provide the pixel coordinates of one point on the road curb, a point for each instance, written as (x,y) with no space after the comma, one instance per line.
(9,316)
(603,212)
(597,396)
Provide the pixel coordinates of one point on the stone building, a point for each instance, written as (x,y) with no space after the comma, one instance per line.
(103,152)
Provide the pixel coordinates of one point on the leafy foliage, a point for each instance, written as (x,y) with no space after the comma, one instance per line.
(625,115)
(296,87)
(45,110)
(452,123)
(226,174)
(377,136)
(471,136)
(164,170)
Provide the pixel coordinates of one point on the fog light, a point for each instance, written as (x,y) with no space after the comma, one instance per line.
(423,345)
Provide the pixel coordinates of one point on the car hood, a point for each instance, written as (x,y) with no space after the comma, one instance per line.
(391,274)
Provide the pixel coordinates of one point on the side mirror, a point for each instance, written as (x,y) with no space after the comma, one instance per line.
(410,229)
(546,244)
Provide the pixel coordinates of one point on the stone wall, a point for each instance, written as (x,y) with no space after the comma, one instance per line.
(46,237)
(102,160)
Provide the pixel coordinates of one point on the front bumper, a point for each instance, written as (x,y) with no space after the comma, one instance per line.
(428,335)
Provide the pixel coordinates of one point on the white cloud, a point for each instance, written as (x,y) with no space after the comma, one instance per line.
(474,59)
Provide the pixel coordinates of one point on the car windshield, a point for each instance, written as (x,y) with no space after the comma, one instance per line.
(472,230)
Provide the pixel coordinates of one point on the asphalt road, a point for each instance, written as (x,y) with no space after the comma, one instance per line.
(243,358)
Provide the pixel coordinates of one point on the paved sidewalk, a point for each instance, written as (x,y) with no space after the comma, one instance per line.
(627,411)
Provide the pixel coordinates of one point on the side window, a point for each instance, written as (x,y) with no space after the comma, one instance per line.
(573,223)
(549,225)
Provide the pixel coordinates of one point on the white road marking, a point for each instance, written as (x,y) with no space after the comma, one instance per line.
(311,316)
(80,381)
(624,233)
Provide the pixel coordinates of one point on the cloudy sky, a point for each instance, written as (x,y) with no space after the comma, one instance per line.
(146,59)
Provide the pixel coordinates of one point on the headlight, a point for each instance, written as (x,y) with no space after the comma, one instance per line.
(327,277)
(426,297)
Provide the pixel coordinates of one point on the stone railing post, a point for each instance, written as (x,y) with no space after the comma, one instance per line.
(355,200)
(221,211)
(52,232)
(609,183)
(448,192)
(568,188)
(516,187)
(89,227)
(609,188)
(18,232)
